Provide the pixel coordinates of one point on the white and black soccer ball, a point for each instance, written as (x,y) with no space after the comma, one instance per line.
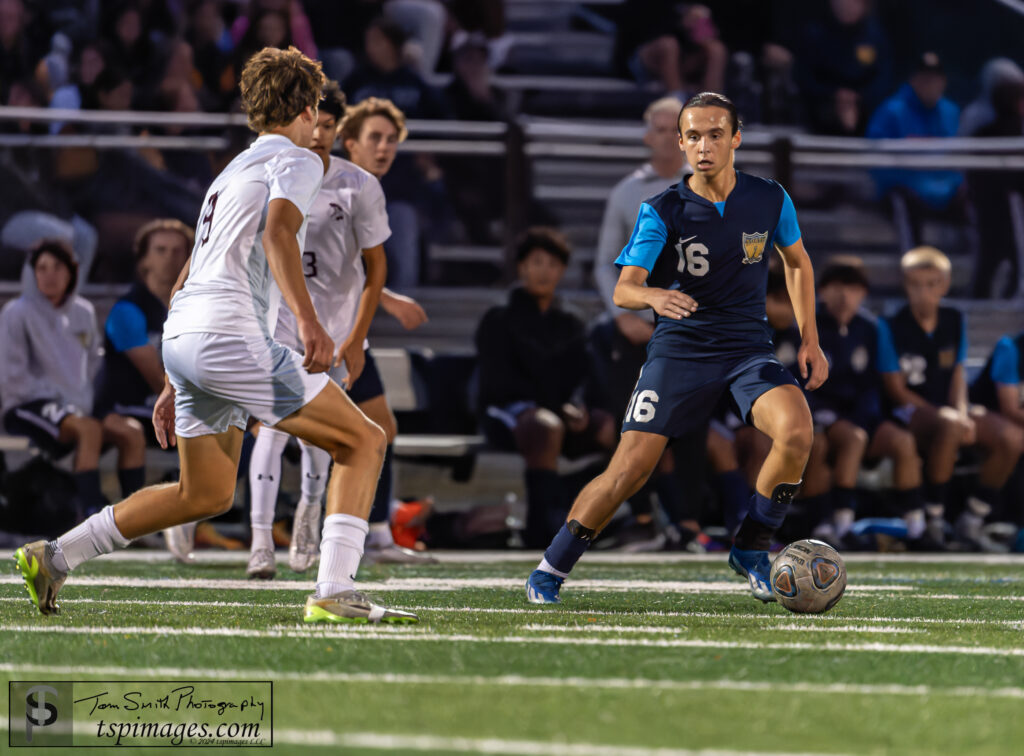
(808,577)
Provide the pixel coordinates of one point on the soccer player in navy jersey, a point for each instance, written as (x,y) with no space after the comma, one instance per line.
(698,258)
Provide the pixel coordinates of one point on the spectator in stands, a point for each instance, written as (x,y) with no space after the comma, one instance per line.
(266,28)
(982,111)
(384,75)
(18,55)
(843,58)
(49,352)
(919,110)
(478,199)
(998,385)
(849,410)
(298,28)
(533,363)
(212,49)
(677,46)
(132,374)
(131,49)
(992,193)
(921,354)
(79,92)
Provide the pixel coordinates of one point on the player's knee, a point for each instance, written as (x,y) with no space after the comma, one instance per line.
(904,446)
(207,503)
(87,430)
(859,437)
(796,440)
(1012,439)
(371,441)
(389,426)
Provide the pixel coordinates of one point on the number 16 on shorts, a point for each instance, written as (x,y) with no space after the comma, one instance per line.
(641,407)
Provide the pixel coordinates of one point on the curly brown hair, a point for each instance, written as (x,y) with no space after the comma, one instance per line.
(277,85)
(356,115)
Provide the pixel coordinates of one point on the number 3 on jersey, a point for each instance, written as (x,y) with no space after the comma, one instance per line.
(309,259)
(641,407)
(693,257)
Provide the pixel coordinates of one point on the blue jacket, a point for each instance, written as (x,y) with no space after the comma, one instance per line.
(902,116)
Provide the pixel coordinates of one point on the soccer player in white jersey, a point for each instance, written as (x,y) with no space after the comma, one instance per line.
(223,367)
(348,225)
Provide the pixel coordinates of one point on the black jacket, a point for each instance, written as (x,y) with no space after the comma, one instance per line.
(529,355)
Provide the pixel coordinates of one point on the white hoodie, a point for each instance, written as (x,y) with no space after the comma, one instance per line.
(48,352)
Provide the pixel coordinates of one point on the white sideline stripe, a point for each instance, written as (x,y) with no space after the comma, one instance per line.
(407,743)
(403,634)
(611,683)
(436,584)
(594,557)
(664,630)
(561,612)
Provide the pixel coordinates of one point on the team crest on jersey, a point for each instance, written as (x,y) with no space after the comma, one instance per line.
(859,359)
(947,358)
(753,247)
(337,212)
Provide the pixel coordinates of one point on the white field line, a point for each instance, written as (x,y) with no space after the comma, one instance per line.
(405,635)
(513,681)
(561,611)
(240,558)
(663,630)
(426,743)
(436,584)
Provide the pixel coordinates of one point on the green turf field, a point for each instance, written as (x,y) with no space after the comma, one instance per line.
(647,655)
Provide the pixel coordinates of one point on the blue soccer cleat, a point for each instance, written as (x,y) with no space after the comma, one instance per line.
(542,588)
(755,567)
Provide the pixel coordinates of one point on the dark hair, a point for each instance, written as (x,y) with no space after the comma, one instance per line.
(62,251)
(711,100)
(110,78)
(549,239)
(333,100)
(391,30)
(847,270)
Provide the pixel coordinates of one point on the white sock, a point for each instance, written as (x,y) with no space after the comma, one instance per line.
(979,507)
(316,467)
(843,519)
(97,535)
(264,482)
(545,566)
(379,536)
(915,524)
(341,548)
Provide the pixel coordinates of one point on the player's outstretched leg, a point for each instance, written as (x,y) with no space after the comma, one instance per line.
(356,444)
(206,489)
(264,484)
(635,458)
(305,547)
(782,414)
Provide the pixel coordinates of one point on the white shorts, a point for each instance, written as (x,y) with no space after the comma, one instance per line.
(220,380)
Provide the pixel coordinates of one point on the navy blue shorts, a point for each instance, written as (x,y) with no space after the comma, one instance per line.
(40,420)
(368,385)
(676,396)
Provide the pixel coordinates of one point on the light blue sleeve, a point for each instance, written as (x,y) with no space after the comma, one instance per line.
(1005,362)
(788,230)
(961,353)
(888,360)
(126,327)
(646,242)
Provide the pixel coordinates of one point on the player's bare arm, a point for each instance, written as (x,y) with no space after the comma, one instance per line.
(406,310)
(800,284)
(895,385)
(284,257)
(958,401)
(163,408)
(631,293)
(351,351)
(1008,396)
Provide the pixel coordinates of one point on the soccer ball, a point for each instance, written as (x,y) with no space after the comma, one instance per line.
(808,577)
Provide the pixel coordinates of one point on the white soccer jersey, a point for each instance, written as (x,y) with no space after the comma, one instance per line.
(347,216)
(229,288)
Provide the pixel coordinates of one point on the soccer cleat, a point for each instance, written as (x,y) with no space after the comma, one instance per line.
(353,607)
(542,588)
(42,579)
(180,541)
(304,548)
(756,568)
(262,565)
(394,554)
(969,530)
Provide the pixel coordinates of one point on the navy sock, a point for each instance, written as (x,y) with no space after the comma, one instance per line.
(566,548)
(772,512)
(735,494)
(909,500)
(545,507)
(819,508)
(131,480)
(382,499)
(89,492)
(936,494)
(844,498)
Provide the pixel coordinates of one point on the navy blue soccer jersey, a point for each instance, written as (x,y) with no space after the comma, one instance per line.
(717,253)
(1004,368)
(853,388)
(927,360)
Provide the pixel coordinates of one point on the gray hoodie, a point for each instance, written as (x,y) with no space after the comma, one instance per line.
(981,111)
(48,352)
